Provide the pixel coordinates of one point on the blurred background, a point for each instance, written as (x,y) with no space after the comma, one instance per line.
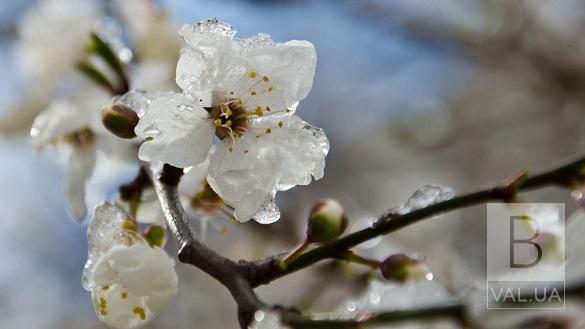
(459,93)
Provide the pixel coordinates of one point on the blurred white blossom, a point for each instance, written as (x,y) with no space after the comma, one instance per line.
(52,35)
(245,92)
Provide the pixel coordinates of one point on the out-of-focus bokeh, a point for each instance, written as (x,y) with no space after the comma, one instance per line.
(452,92)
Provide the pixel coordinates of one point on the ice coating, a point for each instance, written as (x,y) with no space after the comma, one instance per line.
(137,100)
(245,92)
(105,231)
(423,197)
(385,296)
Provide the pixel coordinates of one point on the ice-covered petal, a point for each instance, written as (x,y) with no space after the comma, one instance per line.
(132,284)
(81,165)
(176,131)
(193,181)
(215,65)
(277,153)
(60,118)
(105,231)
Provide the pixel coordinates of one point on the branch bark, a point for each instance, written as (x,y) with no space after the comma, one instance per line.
(192,251)
(265,271)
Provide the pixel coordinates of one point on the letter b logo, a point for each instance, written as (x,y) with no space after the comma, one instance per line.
(530,241)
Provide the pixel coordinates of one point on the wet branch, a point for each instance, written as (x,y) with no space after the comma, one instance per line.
(264,271)
(454,310)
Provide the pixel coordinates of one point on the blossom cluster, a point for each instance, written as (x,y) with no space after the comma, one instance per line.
(229,122)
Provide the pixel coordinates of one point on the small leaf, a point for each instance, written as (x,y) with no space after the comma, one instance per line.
(155,235)
(94,75)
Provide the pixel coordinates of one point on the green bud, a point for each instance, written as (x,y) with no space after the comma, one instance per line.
(327,221)
(120,120)
(401,268)
(155,236)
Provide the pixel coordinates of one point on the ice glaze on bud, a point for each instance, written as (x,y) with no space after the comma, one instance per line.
(326,221)
(401,268)
(120,120)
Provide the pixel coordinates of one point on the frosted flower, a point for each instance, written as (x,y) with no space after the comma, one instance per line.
(52,34)
(244,92)
(130,281)
(74,126)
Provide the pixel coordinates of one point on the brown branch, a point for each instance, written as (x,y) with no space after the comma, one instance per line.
(193,252)
(265,270)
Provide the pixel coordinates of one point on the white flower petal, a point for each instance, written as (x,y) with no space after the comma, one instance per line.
(247,174)
(81,166)
(215,65)
(178,132)
(60,118)
(105,231)
(130,281)
(147,277)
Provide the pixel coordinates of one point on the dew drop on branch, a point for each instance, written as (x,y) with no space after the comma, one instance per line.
(423,197)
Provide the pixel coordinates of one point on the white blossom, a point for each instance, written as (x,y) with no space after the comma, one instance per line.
(73,125)
(52,34)
(130,281)
(245,92)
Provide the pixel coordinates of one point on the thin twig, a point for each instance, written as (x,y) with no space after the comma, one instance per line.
(454,310)
(193,252)
(264,271)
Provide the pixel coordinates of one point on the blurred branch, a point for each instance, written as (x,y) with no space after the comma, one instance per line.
(192,251)
(454,310)
(264,271)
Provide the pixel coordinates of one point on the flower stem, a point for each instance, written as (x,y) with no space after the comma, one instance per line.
(292,255)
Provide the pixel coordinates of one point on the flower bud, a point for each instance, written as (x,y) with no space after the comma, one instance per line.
(401,268)
(326,221)
(120,120)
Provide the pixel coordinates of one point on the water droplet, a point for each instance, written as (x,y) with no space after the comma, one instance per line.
(152,131)
(577,194)
(362,224)
(351,306)
(213,25)
(259,316)
(374,298)
(424,197)
(429,276)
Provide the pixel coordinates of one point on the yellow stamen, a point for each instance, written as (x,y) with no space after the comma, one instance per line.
(268,130)
(217,122)
(124,295)
(139,311)
(253,93)
(280,124)
(265,78)
(106,287)
(252,74)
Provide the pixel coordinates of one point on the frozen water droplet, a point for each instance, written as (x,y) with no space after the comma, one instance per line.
(424,197)
(374,298)
(137,100)
(362,224)
(152,131)
(259,316)
(213,25)
(269,212)
(351,306)
(125,55)
(266,320)
(429,276)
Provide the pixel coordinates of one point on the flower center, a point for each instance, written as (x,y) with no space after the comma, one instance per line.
(230,118)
